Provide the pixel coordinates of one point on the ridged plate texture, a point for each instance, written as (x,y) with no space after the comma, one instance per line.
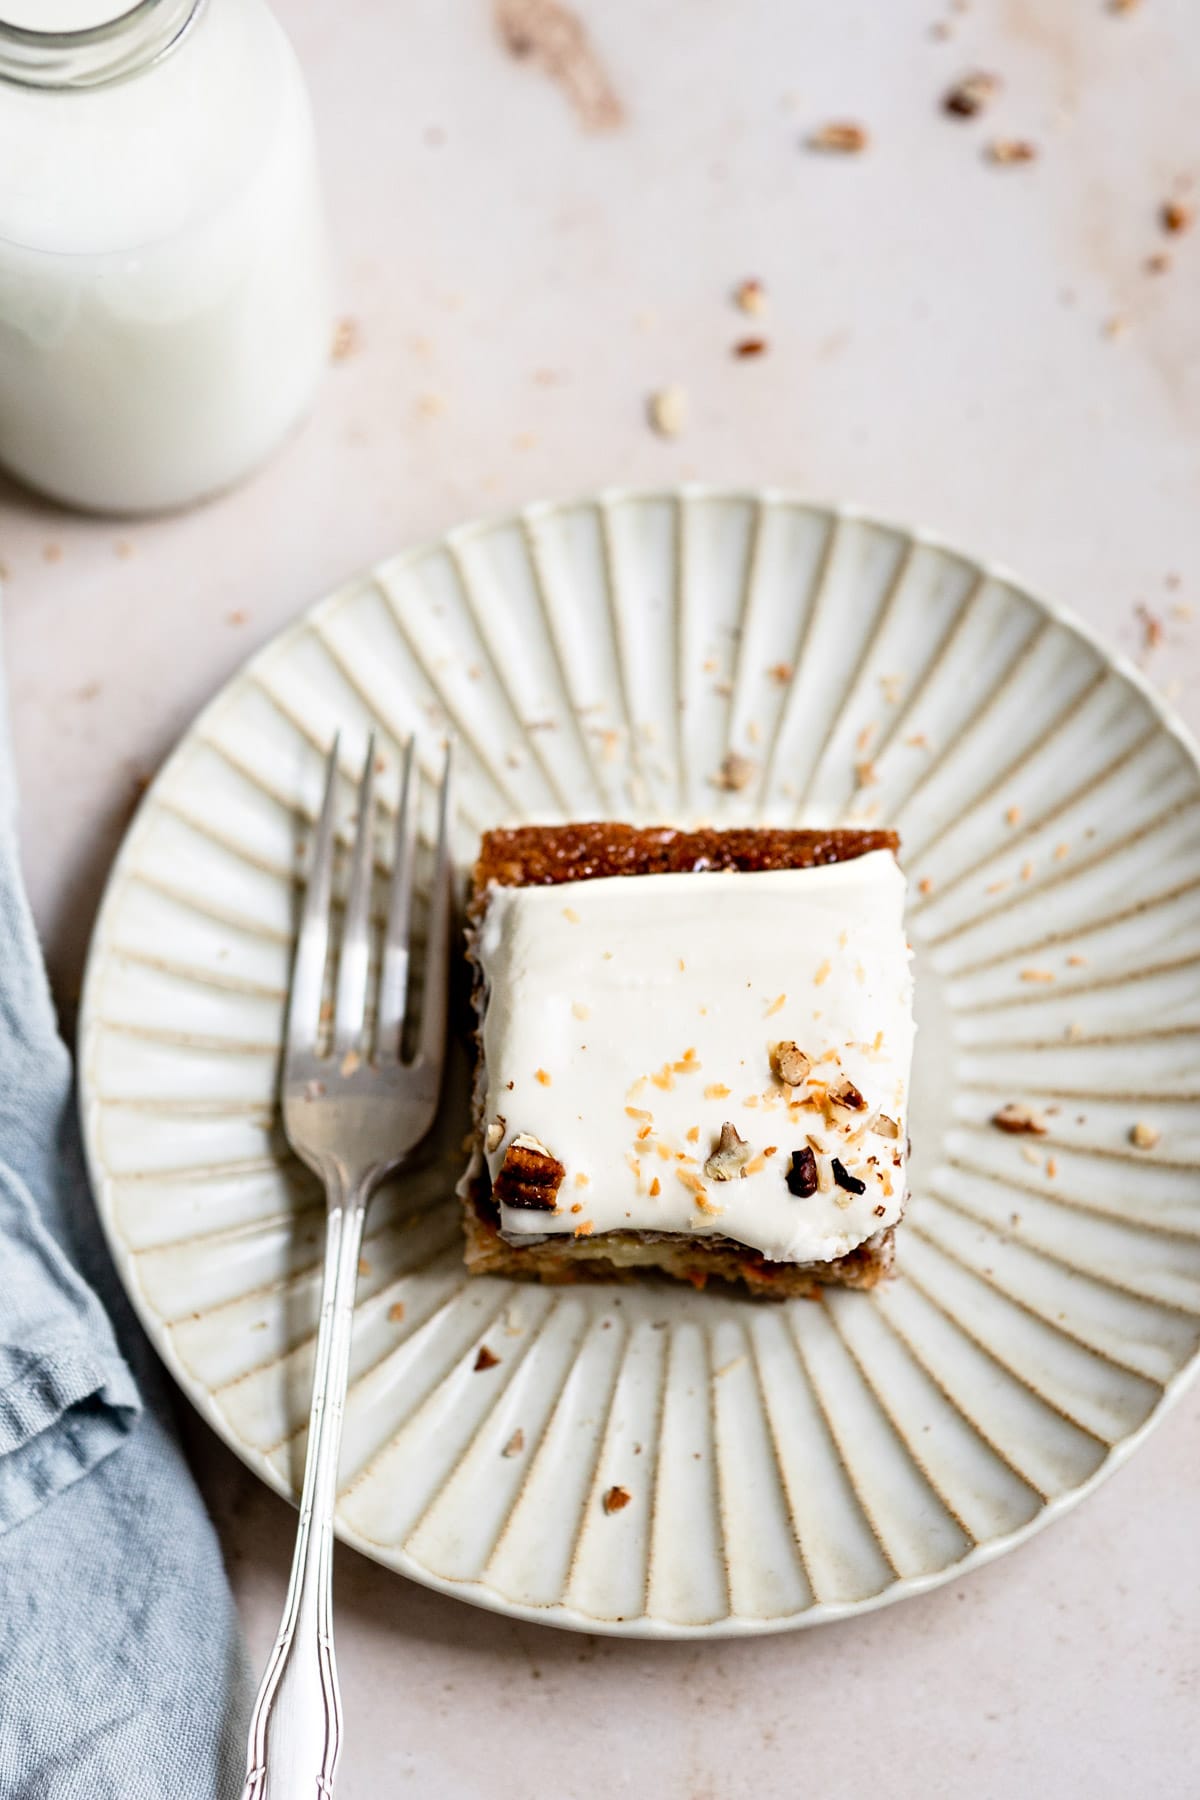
(785,1463)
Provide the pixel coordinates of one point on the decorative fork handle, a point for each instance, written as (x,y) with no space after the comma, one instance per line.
(296,1725)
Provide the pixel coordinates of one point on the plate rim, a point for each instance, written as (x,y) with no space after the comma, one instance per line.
(473,1592)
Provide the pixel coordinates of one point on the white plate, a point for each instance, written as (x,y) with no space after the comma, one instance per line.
(787,1463)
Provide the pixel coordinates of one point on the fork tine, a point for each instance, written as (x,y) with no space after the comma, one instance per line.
(393,981)
(432,1042)
(312,944)
(352,962)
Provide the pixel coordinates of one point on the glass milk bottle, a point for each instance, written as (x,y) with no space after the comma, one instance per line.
(164,314)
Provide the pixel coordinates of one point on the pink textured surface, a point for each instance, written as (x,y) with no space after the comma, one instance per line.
(938,351)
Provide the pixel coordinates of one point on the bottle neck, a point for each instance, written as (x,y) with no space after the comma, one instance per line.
(65,61)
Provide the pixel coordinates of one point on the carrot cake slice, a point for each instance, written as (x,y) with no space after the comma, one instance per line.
(693,1055)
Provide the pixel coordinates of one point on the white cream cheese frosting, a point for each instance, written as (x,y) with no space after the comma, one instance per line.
(629,1021)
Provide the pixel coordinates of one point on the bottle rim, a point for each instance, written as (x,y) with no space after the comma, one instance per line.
(113,50)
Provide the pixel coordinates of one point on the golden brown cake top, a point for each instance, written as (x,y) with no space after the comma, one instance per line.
(545,855)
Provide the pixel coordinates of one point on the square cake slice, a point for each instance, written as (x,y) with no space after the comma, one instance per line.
(693,1055)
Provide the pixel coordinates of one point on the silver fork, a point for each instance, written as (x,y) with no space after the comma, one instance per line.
(354,1118)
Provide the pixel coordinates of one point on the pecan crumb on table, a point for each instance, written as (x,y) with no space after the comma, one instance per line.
(751,296)
(668,410)
(842,136)
(735,773)
(1017,1117)
(1011,150)
(970,95)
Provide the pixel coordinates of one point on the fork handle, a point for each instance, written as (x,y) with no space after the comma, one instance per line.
(296,1724)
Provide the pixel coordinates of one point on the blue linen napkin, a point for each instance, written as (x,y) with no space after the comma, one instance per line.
(122,1671)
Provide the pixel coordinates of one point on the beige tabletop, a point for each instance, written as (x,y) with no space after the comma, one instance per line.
(540,218)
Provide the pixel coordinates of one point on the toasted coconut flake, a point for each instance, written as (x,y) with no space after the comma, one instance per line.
(515,1444)
(887,1127)
(1144,1136)
(495,1133)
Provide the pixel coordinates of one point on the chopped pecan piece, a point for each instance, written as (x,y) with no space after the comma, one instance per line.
(792,1066)
(845,1097)
(849,1183)
(529,1175)
(802,1176)
(1017,1117)
(1143,1136)
(615,1499)
(728,1161)
(1176,216)
(486,1359)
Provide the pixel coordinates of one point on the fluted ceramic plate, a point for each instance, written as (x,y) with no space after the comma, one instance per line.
(786,1463)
